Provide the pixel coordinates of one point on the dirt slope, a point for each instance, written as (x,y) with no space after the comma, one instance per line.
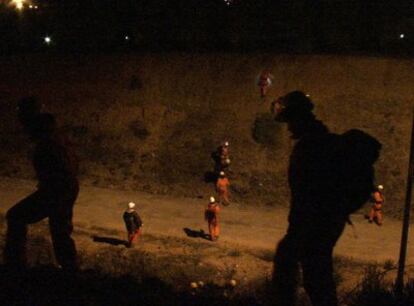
(150,122)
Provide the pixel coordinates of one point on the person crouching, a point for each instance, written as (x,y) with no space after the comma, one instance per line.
(211,215)
(133,224)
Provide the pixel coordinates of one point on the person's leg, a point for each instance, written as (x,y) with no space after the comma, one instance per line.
(30,210)
(379,217)
(61,228)
(216,230)
(318,278)
(130,239)
(371,215)
(219,196)
(262,91)
(133,237)
(285,273)
(226,200)
(211,230)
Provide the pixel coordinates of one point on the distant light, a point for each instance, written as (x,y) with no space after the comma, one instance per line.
(47,40)
(18,4)
(31,6)
(402,35)
(126,37)
(36,7)
(228,2)
(308,95)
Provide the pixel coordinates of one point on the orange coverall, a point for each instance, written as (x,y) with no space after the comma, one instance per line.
(211,215)
(222,187)
(264,83)
(224,155)
(376,209)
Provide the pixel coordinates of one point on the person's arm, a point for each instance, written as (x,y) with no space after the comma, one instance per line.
(206,214)
(137,220)
(217,210)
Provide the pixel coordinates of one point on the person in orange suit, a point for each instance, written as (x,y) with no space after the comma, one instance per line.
(264,82)
(376,209)
(211,215)
(224,151)
(222,187)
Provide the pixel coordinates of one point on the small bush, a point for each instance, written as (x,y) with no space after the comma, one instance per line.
(266,130)
(266,255)
(389,265)
(234,253)
(375,291)
(75,131)
(139,129)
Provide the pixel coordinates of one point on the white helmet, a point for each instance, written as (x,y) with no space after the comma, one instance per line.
(222,173)
(212,200)
(226,143)
(380,187)
(131,205)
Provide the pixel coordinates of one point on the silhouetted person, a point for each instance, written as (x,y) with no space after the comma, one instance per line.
(330,176)
(57,190)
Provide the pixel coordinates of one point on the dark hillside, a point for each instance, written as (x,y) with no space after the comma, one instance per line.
(151,122)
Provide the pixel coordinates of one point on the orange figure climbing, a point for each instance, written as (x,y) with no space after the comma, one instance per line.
(222,187)
(264,82)
(211,215)
(221,157)
(375,214)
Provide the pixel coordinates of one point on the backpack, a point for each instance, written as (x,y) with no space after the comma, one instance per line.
(359,152)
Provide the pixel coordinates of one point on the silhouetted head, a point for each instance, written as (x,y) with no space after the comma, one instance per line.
(292,107)
(295,109)
(131,205)
(43,126)
(212,200)
(222,174)
(27,109)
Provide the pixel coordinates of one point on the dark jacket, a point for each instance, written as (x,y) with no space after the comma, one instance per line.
(132,221)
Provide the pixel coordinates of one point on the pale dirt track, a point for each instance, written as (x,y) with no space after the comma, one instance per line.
(246,227)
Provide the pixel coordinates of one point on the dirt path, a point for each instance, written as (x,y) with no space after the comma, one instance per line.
(246,227)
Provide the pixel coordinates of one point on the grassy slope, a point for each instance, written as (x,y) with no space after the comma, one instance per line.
(151,122)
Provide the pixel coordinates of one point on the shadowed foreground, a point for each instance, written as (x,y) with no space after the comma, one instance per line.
(45,285)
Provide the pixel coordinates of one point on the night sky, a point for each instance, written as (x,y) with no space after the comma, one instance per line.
(301,26)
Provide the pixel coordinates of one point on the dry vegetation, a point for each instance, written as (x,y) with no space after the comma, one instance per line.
(151,122)
(159,272)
